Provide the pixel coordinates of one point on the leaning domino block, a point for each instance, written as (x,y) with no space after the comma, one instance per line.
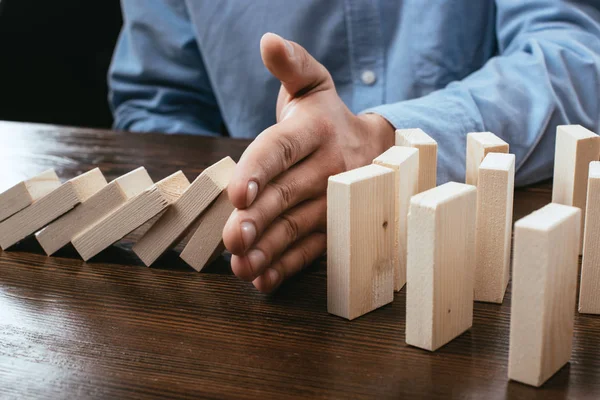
(48,208)
(427,155)
(405,163)
(589,292)
(60,232)
(209,236)
(546,251)
(360,241)
(495,192)
(479,144)
(441,263)
(576,147)
(173,224)
(130,215)
(25,193)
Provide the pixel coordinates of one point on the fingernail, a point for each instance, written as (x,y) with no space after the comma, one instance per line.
(289,47)
(273,275)
(257,260)
(251,193)
(248,233)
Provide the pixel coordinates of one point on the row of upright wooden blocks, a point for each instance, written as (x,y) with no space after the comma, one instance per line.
(388,224)
(92,214)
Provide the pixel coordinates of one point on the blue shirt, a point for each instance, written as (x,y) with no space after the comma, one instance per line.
(517,68)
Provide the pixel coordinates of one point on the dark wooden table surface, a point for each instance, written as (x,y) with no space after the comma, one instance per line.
(112,328)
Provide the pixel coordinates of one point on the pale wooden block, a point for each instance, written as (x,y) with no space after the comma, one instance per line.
(546,247)
(441,264)
(479,144)
(51,206)
(405,163)
(495,192)
(182,214)
(209,235)
(26,192)
(60,232)
(130,216)
(427,155)
(360,241)
(589,292)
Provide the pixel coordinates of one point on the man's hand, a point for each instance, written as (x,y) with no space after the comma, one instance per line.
(279,185)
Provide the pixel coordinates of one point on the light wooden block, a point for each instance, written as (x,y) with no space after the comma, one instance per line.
(589,292)
(360,241)
(209,235)
(427,155)
(575,148)
(25,193)
(405,163)
(130,215)
(495,192)
(51,206)
(60,232)
(546,251)
(441,265)
(172,225)
(479,144)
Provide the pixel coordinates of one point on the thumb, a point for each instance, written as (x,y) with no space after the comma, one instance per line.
(289,62)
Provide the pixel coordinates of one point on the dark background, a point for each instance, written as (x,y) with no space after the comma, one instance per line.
(54,56)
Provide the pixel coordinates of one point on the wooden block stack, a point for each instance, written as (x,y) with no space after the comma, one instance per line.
(479,144)
(427,155)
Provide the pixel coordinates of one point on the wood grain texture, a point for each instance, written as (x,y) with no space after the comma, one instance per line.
(130,216)
(427,155)
(60,232)
(48,208)
(495,194)
(360,240)
(589,292)
(545,284)
(441,265)
(479,144)
(26,192)
(405,163)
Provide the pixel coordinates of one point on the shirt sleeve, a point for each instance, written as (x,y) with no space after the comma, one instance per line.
(547,73)
(157,79)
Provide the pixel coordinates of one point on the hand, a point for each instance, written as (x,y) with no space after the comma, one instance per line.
(279,185)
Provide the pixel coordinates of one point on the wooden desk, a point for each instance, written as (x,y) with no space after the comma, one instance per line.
(113,328)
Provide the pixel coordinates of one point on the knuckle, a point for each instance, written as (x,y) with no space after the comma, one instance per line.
(285,193)
(291,227)
(288,148)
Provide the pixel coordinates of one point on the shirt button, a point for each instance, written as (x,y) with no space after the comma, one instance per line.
(368,77)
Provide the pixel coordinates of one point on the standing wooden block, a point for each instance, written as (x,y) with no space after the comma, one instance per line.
(45,210)
(173,224)
(576,147)
(427,155)
(543,293)
(441,265)
(25,193)
(589,292)
(405,163)
(495,194)
(360,241)
(60,232)
(479,144)
(130,215)
(208,237)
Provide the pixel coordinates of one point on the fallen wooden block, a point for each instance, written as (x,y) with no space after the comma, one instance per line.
(60,232)
(441,264)
(427,155)
(495,194)
(25,193)
(479,144)
(360,241)
(405,163)
(45,210)
(576,147)
(589,292)
(180,216)
(208,238)
(130,215)
(543,293)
